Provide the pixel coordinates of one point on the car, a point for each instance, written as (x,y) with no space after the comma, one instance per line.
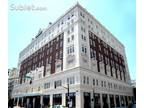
(59,106)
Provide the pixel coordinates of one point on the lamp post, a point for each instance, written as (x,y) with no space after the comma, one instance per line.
(67,93)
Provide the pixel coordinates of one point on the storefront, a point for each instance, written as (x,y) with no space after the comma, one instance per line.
(57,99)
(87,100)
(72,99)
(111,101)
(117,101)
(46,100)
(105,100)
(122,101)
(97,103)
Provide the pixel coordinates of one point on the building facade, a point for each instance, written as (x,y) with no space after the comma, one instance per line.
(78,51)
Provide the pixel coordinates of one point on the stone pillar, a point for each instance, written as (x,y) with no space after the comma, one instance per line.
(101,100)
(108,97)
(124,100)
(17,101)
(22,101)
(14,101)
(92,99)
(120,100)
(79,99)
(27,101)
(115,101)
(51,100)
(33,102)
(41,101)
(63,99)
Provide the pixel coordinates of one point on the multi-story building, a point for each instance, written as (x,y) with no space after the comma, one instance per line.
(78,51)
(12,80)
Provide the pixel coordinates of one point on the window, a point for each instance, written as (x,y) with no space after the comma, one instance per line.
(72,29)
(82,36)
(50,49)
(104,83)
(57,56)
(58,83)
(84,79)
(50,59)
(71,80)
(85,50)
(68,32)
(93,81)
(61,43)
(101,83)
(82,48)
(60,54)
(97,82)
(72,37)
(87,80)
(46,85)
(68,40)
(70,49)
(39,75)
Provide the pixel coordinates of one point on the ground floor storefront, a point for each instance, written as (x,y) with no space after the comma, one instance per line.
(77,100)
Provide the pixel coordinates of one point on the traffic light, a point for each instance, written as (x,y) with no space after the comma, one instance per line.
(30,81)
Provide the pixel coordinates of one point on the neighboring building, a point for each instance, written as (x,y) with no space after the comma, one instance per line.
(12,73)
(79,51)
(133,84)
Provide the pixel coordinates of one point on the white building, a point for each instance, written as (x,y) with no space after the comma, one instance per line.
(79,51)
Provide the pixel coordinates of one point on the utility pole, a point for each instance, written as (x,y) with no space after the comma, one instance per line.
(68,96)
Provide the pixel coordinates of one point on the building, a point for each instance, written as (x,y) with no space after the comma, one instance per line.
(133,84)
(78,51)
(12,74)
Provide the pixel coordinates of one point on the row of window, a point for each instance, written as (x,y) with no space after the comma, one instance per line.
(70,39)
(58,83)
(70,49)
(28,51)
(96,82)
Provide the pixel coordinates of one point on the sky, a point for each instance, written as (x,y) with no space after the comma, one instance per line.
(118,16)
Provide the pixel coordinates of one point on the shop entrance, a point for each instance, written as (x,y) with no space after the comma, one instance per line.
(46,100)
(72,99)
(37,102)
(126,100)
(117,101)
(105,102)
(87,100)
(112,101)
(97,100)
(57,99)
(122,100)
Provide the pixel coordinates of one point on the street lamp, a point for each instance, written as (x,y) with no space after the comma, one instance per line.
(67,92)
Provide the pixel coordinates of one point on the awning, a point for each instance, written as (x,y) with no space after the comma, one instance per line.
(28,94)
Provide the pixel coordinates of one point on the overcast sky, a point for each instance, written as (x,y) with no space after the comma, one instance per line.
(118,16)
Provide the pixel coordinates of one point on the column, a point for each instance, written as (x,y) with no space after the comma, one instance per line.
(18,101)
(22,101)
(14,102)
(79,99)
(27,101)
(108,97)
(124,101)
(92,99)
(33,102)
(120,100)
(115,101)
(51,100)
(63,99)
(101,100)
(41,101)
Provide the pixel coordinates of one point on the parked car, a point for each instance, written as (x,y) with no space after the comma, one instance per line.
(59,106)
